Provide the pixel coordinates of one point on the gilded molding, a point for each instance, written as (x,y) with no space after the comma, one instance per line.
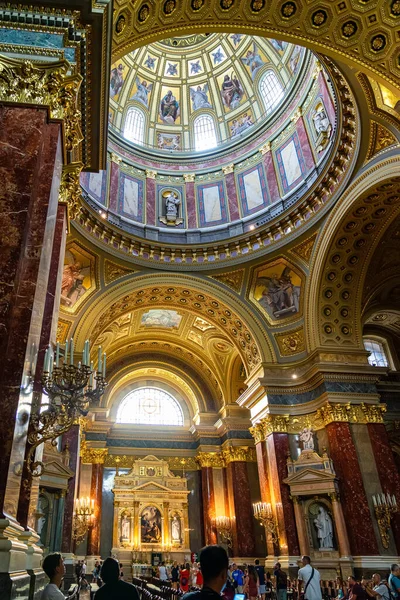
(94,456)
(70,192)
(45,84)
(373,413)
(258,433)
(151,174)
(228,169)
(275,424)
(291,342)
(238,454)
(189,177)
(335,413)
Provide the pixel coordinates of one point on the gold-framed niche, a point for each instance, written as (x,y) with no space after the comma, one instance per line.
(150,509)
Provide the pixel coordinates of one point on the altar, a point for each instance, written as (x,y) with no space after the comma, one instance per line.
(150,512)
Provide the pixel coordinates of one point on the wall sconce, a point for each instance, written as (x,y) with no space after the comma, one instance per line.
(83,518)
(224,528)
(263,514)
(385,507)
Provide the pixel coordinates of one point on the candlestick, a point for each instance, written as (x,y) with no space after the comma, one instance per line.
(71,355)
(104,364)
(58,355)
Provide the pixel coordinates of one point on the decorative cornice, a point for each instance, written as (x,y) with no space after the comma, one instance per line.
(275,424)
(258,433)
(228,169)
(45,84)
(373,413)
(189,177)
(70,192)
(151,174)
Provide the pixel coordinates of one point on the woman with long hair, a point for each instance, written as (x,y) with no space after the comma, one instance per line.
(251,583)
(175,575)
(185,578)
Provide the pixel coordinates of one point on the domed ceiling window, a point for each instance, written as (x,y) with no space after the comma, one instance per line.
(234,82)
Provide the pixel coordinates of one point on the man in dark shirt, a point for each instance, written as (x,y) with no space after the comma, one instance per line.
(114,587)
(214,565)
(280,582)
(261,579)
(356,591)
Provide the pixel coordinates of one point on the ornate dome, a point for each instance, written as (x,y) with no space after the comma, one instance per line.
(202,92)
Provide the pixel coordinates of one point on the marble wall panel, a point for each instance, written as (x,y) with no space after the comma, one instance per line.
(233,197)
(354,500)
(305,144)
(113,190)
(150,201)
(211,204)
(191,205)
(196,535)
(96,489)
(271,177)
(131,197)
(255,494)
(237,474)
(253,190)
(290,162)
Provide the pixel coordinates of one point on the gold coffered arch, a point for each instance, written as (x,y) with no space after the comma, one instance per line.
(354,32)
(181,294)
(343,254)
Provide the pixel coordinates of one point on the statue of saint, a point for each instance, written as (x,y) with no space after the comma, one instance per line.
(125,528)
(176,529)
(172,203)
(306,436)
(321,120)
(323,523)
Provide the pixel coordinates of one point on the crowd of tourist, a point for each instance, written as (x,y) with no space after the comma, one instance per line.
(214,577)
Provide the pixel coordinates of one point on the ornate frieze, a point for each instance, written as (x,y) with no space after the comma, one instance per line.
(238,454)
(210,459)
(373,413)
(94,456)
(70,192)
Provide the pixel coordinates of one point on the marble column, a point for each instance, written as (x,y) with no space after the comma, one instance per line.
(207,486)
(388,476)
(151,200)
(28,496)
(343,538)
(301,527)
(96,489)
(262,465)
(30,173)
(71,438)
(244,543)
(277,452)
(354,499)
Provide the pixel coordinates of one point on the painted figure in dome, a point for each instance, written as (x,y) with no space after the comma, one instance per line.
(143,91)
(117,80)
(253,60)
(199,97)
(169,108)
(231,91)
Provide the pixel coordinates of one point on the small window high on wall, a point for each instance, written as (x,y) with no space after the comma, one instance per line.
(271,91)
(150,406)
(204,133)
(134,125)
(378,353)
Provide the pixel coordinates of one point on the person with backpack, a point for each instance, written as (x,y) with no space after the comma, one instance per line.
(394,580)
(238,578)
(280,582)
(214,564)
(310,579)
(377,588)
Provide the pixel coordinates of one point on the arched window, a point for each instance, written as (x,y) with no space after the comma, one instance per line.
(204,132)
(378,354)
(271,91)
(150,406)
(134,125)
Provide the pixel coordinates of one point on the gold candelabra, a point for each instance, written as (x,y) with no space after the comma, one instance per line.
(224,528)
(263,513)
(83,518)
(385,507)
(70,389)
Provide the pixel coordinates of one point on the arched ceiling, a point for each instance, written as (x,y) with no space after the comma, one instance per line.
(194,69)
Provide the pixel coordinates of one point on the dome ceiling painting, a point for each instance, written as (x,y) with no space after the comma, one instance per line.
(236,80)
(213,136)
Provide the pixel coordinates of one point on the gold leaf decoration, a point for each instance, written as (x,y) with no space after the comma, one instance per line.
(291,342)
(113,271)
(233,279)
(304,250)
(380,138)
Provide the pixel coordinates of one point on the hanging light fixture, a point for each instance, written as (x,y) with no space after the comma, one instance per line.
(83,518)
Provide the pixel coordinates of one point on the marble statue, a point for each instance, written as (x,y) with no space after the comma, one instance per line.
(176,529)
(321,120)
(306,436)
(323,523)
(172,203)
(125,528)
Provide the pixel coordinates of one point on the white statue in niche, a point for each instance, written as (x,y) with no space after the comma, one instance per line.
(176,529)
(307,437)
(125,528)
(172,203)
(322,126)
(323,523)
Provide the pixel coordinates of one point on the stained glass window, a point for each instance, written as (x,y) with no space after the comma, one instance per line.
(134,125)
(377,357)
(150,406)
(204,133)
(271,91)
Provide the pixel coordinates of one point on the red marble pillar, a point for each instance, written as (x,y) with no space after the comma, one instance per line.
(388,475)
(151,209)
(30,173)
(278,452)
(71,438)
(262,464)
(28,494)
(305,144)
(271,177)
(244,543)
(207,486)
(191,205)
(232,197)
(96,489)
(353,497)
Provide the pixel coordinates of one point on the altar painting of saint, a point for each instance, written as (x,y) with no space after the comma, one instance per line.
(150,525)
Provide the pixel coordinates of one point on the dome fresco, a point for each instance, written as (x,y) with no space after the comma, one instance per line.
(213,136)
(170,95)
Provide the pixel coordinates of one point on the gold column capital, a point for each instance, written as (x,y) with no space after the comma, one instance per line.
(373,413)
(45,84)
(210,459)
(70,192)
(228,169)
(334,496)
(94,456)
(238,454)
(258,433)
(189,177)
(151,174)
(275,424)
(331,413)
